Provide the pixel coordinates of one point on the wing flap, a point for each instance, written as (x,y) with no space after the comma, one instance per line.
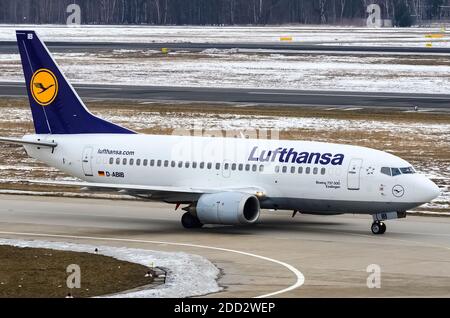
(116,186)
(163,193)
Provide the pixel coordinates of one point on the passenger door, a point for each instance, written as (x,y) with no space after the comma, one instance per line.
(354,174)
(86,162)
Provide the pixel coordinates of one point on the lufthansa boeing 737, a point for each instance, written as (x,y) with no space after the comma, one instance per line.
(217,180)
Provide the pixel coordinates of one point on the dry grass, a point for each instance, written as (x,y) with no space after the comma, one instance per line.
(37,272)
(377,114)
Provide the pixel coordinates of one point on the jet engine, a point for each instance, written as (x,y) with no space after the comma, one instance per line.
(228,208)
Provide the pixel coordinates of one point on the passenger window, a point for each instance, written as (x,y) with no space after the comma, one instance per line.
(292,169)
(131,162)
(111,161)
(117,161)
(284,169)
(261,168)
(322,171)
(202,165)
(194,164)
(233,166)
(240,167)
(247,167)
(209,165)
(226,166)
(186,164)
(124,161)
(138,162)
(217,166)
(307,170)
(145,162)
(277,169)
(152,162)
(395,172)
(159,163)
(386,171)
(180,164)
(300,170)
(315,170)
(173,164)
(166,163)
(254,168)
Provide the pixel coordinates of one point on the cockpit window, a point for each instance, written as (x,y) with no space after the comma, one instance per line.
(396,171)
(386,171)
(408,170)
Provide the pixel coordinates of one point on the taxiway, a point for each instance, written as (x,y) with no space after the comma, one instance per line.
(331,253)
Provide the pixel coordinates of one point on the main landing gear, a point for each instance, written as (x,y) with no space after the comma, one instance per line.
(378,227)
(190,221)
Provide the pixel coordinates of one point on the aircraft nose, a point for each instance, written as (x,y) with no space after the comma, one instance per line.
(430,190)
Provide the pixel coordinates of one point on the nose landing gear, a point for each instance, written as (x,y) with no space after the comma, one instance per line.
(378,227)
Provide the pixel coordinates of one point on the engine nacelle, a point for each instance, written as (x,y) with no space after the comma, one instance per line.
(228,208)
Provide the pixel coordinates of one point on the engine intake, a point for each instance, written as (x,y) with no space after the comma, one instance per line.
(228,208)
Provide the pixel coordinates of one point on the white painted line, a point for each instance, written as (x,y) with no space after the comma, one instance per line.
(430,213)
(346,95)
(331,108)
(101,88)
(300,278)
(12,85)
(246,105)
(350,109)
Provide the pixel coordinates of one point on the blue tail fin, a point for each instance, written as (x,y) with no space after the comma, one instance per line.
(55,105)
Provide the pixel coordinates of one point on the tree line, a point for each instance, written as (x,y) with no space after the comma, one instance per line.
(219,12)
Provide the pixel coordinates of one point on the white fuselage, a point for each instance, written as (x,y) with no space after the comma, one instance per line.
(307,180)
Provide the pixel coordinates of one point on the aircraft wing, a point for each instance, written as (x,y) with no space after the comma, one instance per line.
(164,193)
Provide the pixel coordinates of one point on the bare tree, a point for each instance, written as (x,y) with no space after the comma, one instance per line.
(322,10)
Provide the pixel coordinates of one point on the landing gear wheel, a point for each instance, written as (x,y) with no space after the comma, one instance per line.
(190,222)
(378,227)
(383,227)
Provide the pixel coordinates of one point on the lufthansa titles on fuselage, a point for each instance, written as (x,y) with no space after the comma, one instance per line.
(285,155)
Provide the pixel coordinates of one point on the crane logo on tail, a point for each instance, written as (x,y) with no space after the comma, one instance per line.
(44,86)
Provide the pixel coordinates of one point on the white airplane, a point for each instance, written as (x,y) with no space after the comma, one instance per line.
(220,180)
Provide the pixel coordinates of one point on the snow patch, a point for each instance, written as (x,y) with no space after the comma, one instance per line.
(300,34)
(187,274)
(232,68)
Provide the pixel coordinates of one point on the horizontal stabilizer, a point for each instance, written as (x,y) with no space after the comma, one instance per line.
(28,142)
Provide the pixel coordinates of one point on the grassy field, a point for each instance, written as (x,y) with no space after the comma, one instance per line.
(419,137)
(37,272)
